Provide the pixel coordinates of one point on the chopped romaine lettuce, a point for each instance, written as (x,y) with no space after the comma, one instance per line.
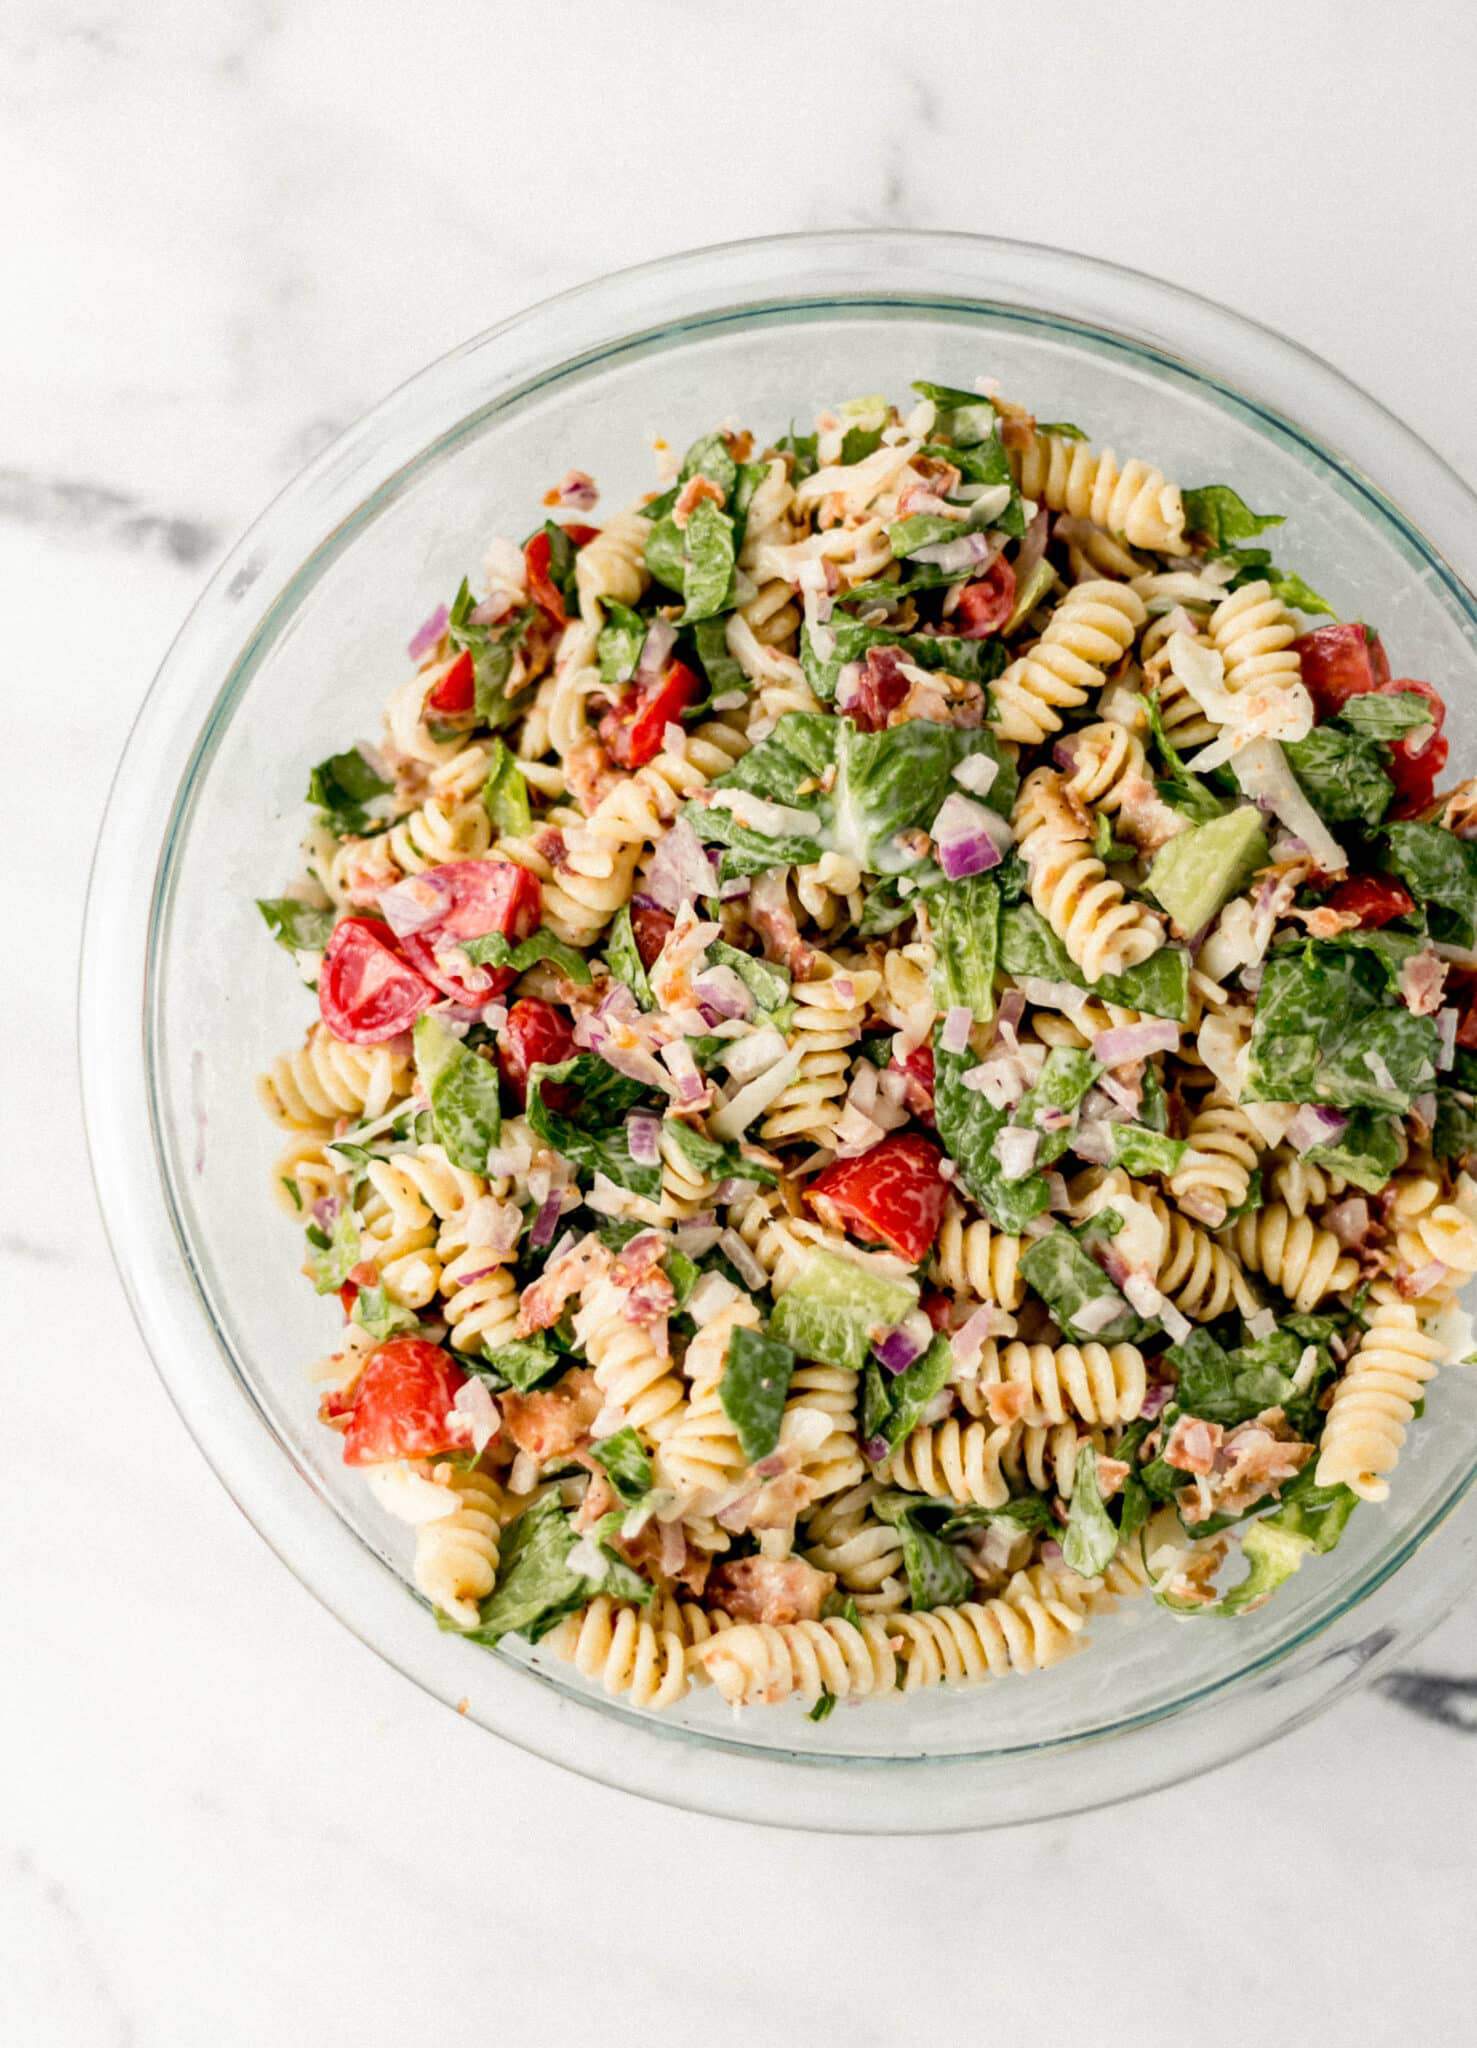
(965,920)
(619,645)
(333,1251)
(1440,871)
(493,650)
(494,950)
(297,926)
(1160,984)
(1090,1541)
(1066,1276)
(1380,717)
(341,786)
(834,1308)
(1342,773)
(1218,515)
(1329,1027)
(756,1379)
(594,1139)
(1145,1151)
(505,793)
(463,1092)
(623,958)
(968,1125)
(626,1464)
(977,661)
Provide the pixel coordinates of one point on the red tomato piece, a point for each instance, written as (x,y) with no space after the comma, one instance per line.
(985,604)
(936,1306)
(650,928)
(402,1404)
(542,588)
(1461,993)
(1340,662)
(894,1193)
(482,896)
(1415,762)
(633,730)
(1374,899)
(457,691)
(367,989)
(362,1275)
(536,1032)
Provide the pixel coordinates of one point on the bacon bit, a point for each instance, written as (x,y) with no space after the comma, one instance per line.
(920,497)
(1459,814)
(637,1258)
(1143,818)
(662,1550)
(943,700)
(590,775)
(547,842)
(1017,426)
(550,1424)
(1111,1473)
(1008,1401)
(769,1590)
(1422,981)
(692,494)
(739,442)
(1191,1583)
(1193,1444)
(1324,922)
(1254,1460)
(652,1300)
(600,1496)
(542,1303)
(767,907)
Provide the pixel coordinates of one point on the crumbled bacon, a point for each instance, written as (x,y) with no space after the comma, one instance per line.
(1422,981)
(1144,819)
(1253,1460)
(1193,1444)
(943,700)
(551,1423)
(600,1496)
(1324,922)
(1007,1401)
(542,1303)
(588,771)
(1111,1473)
(548,842)
(768,907)
(692,494)
(770,1590)
(1017,427)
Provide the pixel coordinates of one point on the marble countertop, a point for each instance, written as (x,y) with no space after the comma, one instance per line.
(232,225)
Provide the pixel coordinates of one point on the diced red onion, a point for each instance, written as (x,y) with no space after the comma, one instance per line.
(955,556)
(1424,1108)
(1093,1141)
(1008,1016)
(661,638)
(1016,1148)
(415,903)
(325,1211)
(1349,1221)
(1424,1280)
(987,1322)
(693,1239)
(964,838)
(1096,1314)
(1053,1116)
(874,1449)
(427,633)
(1033,547)
(1054,995)
(734,1190)
(677,1057)
(1156,1398)
(643,1133)
(725,991)
(896,1349)
(849,685)
(547,1221)
(1058,1198)
(735,886)
(1315,1124)
(742,1260)
(1447,1021)
(680,869)
(1123,1096)
(1135,1041)
(957,1025)
(493,608)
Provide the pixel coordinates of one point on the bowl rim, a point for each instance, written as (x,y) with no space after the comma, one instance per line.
(149,1244)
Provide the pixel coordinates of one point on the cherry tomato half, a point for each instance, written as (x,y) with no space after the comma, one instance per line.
(401,1407)
(457,690)
(1374,900)
(893,1193)
(633,731)
(985,604)
(367,989)
(536,1033)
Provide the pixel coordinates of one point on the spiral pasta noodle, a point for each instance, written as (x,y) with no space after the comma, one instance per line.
(757,1664)
(1374,1401)
(828,1020)
(1102,930)
(1033,1624)
(612,567)
(1135,501)
(456,1556)
(975,1258)
(865,1554)
(1099,1383)
(962,1461)
(1089,631)
(1253,633)
(1216,1174)
(1304,1261)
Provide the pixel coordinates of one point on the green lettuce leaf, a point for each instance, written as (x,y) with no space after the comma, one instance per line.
(1385,718)
(968,1126)
(505,793)
(618,647)
(1066,1276)
(756,1379)
(374,1311)
(1342,775)
(332,1252)
(623,958)
(297,926)
(978,661)
(1144,1151)
(341,786)
(525,1363)
(1160,984)
(626,1464)
(1329,1027)
(1218,516)
(1090,1541)
(493,649)
(536,1587)
(594,1139)
(965,921)
(495,950)
(1440,871)
(463,1093)
(708,556)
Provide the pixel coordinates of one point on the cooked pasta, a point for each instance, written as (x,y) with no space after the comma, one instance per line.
(847,1072)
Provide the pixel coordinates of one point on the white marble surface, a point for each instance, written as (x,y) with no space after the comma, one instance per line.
(230,225)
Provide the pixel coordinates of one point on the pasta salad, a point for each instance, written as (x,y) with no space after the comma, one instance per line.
(895,1061)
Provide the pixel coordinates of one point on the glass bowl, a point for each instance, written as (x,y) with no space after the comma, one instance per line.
(290,654)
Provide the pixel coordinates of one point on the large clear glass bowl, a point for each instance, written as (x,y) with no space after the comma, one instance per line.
(290,654)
